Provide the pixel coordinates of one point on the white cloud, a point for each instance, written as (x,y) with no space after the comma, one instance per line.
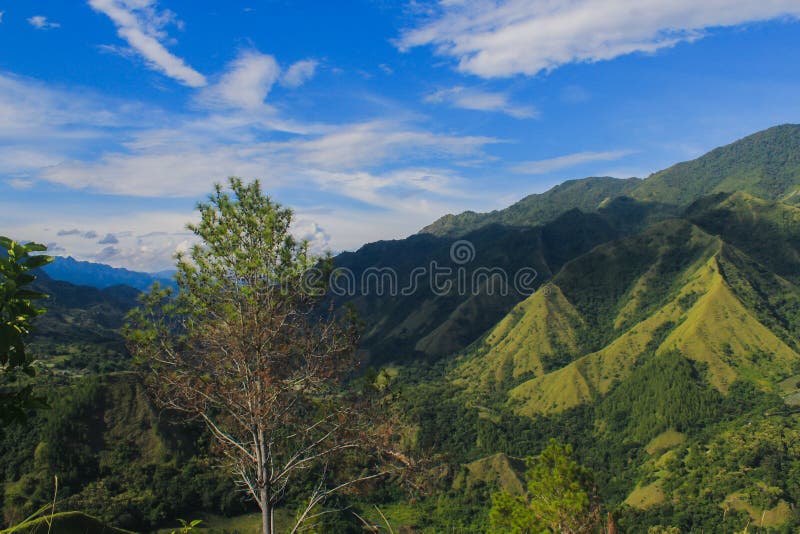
(30,109)
(45,132)
(184,163)
(571,160)
(245,84)
(397,190)
(372,143)
(377,179)
(299,73)
(141,25)
(1,16)
(508,37)
(308,230)
(40,22)
(479,100)
(40,125)
(19,184)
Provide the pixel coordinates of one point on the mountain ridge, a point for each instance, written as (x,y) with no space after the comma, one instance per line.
(100,275)
(632,299)
(765,164)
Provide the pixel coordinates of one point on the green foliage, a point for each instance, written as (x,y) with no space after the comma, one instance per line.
(560,498)
(430,325)
(80,332)
(17,310)
(114,458)
(187,526)
(666,392)
(699,429)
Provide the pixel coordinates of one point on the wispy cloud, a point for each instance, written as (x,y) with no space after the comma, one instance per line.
(145,249)
(41,126)
(480,100)
(183,162)
(1,16)
(373,143)
(173,155)
(299,73)
(508,37)
(141,24)
(376,178)
(246,82)
(544,166)
(40,22)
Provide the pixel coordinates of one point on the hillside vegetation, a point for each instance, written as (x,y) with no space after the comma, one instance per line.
(661,344)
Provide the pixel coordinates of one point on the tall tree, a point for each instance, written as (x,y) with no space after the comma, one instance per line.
(560,498)
(244,346)
(17,310)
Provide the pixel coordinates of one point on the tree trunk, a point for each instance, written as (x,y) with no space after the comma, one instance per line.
(267,510)
(271,518)
(264,494)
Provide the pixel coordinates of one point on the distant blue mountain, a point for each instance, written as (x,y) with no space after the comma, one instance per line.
(101,276)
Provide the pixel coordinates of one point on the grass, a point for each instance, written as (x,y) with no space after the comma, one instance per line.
(718,330)
(538,329)
(595,373)
(240,524)
(496,470)
(644,497)
(664,441)
(773,517)
(402,517)
(722,332)
(65,523)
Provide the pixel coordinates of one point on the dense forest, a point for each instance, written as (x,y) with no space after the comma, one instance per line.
(650,383)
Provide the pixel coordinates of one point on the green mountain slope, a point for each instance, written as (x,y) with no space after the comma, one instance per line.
(432,323)
(80,331)
(115,455)
(672,289)
(765,164)
(766,230)
(587,194)
(548,230)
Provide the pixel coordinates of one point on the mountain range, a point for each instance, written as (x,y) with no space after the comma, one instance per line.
(661,337)
(101,276)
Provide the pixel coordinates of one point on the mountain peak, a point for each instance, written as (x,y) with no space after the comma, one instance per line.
(765,164)
(100,275)
(585,194)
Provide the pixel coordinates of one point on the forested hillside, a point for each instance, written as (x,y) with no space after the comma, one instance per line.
(660,341)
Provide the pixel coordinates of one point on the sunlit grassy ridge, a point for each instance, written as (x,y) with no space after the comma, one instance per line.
(765,164)
(717,330)
(498,470)
(536,333)
(674,287)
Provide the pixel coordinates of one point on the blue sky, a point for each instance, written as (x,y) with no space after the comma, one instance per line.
(371,118)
